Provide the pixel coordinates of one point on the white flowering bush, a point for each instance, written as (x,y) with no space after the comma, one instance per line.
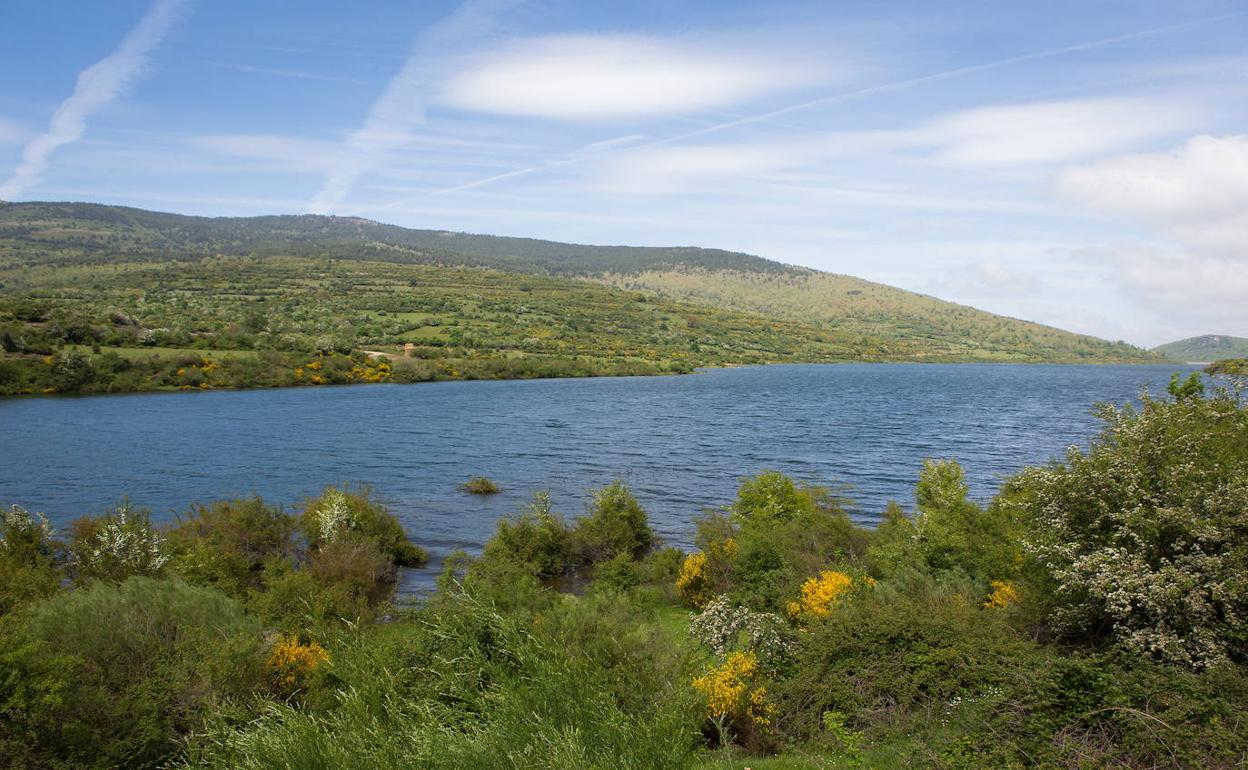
(117,545)
(333,516)
(724,627)
(22,531)
(1142,538)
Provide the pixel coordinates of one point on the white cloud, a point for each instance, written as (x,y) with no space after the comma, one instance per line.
(606,76)
(401,106)
(1055,131)
(97,85)
(1196,198)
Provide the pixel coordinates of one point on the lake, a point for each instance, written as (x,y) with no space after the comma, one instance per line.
(681,443)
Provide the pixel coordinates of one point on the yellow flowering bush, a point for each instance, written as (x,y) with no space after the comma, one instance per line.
(291,660)
(691,582)
(1004,594)
(820,594)
(736,695)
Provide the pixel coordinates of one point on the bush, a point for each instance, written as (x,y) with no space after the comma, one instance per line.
(117,674)
(615,525)
(480,485)
(461,686)
(340,512)
(28,570)
(227,544)
(1141,539)
(536,540)
(120,544)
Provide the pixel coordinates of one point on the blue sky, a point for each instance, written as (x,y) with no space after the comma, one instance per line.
(1083,164)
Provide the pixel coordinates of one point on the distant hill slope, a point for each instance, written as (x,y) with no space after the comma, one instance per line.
(1205,348)
(914,326)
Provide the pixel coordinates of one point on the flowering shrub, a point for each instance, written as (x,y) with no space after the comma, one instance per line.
(722,626)
(22,532)
(117,545)
(333,516)
(691,581)
(1004,594)
(736,696)
(820,594)
(291,660)
(1141,538)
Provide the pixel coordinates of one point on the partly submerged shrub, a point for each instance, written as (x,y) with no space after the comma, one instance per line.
(537,540)
(615,524)
(480,485)
(340,513)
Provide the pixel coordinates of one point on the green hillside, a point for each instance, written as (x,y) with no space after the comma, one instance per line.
(105,298)
(1205,348)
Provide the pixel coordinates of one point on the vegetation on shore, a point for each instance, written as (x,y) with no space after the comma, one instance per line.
(1090,615)
(108,299)
(1231,366)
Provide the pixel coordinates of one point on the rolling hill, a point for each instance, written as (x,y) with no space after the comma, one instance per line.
(1206,348)
(452,305)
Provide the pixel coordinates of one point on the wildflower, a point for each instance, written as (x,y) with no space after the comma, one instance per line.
(733,690)
(334,516)
(291,660)
(1003,595)
(691,581)
(820,594)
(720,626)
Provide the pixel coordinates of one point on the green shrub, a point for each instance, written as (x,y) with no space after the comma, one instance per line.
(227,544)
(347,581)
(28,569)
(537,540)
(338,512)
(115,675)
(461,686)
(480,485)
(1141,539)
(120,544)
(615,524)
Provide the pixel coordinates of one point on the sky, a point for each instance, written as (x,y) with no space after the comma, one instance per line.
(1079,163)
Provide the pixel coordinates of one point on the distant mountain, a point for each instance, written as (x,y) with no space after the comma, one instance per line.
(910,326)
(1205,348)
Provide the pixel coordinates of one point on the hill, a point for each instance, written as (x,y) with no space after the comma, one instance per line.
(259,300)
(1205,348)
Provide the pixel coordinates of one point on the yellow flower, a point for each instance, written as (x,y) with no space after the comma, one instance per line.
(181,372)
(314,365)
(1004,593)
(691,582)
(291,660)
(732,690)
(820,594)
(318,379)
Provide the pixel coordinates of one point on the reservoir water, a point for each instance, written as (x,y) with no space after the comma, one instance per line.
(681,443)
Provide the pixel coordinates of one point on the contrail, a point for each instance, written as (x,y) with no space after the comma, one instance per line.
(402,105)
(897,85)
(97,85)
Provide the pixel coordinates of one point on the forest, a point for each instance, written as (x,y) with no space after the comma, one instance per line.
(1091,614)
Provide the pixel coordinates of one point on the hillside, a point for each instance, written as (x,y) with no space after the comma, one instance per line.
(1205,348)
(257,300)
